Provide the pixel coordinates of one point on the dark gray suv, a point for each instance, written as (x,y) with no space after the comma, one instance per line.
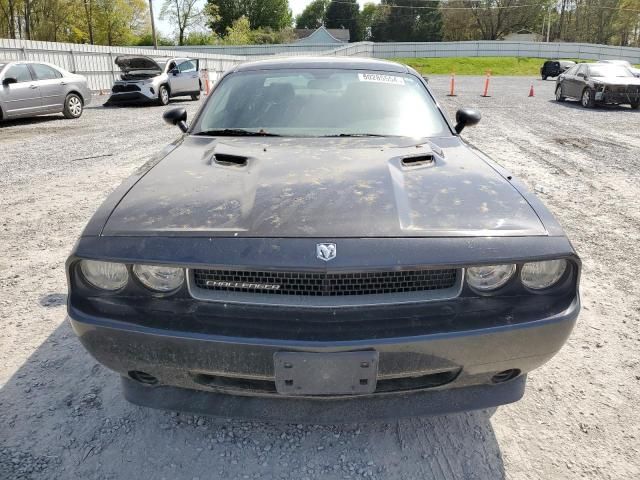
(320,245)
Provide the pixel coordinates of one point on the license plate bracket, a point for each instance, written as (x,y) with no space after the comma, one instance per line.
(336,373)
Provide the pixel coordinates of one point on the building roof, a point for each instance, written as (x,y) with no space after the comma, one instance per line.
(322,35)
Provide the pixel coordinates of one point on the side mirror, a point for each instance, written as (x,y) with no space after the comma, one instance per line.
(466,117)
(178,117)
(174,71)
(582,75)
(9,80)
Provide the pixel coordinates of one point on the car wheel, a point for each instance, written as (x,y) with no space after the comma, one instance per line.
(635,105)
(73,106)
(587,98)
(163,95)
(195,97)
(544,77)
(559,96)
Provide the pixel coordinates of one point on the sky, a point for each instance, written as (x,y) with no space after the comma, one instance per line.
(297,6)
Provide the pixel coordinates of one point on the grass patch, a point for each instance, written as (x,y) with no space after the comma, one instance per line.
(475,65)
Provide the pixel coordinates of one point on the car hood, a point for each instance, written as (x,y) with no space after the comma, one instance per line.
(326,188)
(138,63)
(616,80)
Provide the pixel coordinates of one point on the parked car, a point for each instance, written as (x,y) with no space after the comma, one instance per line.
(594,83)
(553,68)
(146,79)
(28,89)
(320,245)
(624,63)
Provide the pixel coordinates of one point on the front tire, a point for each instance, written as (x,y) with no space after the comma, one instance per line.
(73,106)
(544,77)
(635,105)
(163,95)
(587,99)
(559,96)
(195,97)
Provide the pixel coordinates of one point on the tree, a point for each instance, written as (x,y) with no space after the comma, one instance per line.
(343,14)
(313,15)
(184,14)
(369,15)
(274,14)
(117,21)
(496,18)
(408,21)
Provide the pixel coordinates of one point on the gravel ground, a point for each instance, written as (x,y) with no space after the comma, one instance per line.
(62,415)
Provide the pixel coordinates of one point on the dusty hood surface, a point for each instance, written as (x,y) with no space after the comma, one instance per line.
(138,63)
(326,188)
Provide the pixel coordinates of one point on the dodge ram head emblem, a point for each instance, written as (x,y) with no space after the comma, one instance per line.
(326,251)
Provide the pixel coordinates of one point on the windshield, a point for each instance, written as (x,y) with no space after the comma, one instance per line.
(609,70)
(322,102)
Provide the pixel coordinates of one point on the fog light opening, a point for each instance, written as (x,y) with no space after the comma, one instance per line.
(505,375)
(143,377)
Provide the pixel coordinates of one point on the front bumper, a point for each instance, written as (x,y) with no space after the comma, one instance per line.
(130,97)
(465,362)
(617,97)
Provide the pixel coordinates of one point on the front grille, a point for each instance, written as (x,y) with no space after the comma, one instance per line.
(323,284)
(125,88)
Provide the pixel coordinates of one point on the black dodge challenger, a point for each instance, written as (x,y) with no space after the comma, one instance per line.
(320,245)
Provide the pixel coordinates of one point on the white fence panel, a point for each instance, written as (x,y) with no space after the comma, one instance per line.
(96,62)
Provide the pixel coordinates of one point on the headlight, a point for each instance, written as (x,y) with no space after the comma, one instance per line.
(160,279)
(489,277)
(539,275)
(105,275)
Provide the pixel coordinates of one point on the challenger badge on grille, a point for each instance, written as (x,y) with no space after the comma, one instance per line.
(248,286)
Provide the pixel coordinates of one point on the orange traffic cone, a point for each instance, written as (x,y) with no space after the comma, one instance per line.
(485,93)
(452,86)
(531,91)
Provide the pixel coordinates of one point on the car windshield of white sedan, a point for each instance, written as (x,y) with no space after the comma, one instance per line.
(321,102)
(610,70)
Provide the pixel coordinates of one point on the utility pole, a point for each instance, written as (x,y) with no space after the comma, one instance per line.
(153,26)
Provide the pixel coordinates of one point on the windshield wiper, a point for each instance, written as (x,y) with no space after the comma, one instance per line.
(236,132)
(358,135)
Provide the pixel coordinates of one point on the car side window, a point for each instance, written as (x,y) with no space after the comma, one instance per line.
(187,67)
(45,72)
(572,70)
(20,72)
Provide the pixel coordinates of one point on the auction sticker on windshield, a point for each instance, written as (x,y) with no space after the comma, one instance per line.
(378,78)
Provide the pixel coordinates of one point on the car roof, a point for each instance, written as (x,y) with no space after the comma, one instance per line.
(339,63)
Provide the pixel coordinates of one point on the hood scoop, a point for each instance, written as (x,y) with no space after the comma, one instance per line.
(421,160)
(228,160)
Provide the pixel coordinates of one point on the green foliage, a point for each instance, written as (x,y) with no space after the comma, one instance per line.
(313,14)
(408,21)
(146,39)
(240,33)
(344,14)
(368,17)
(273,14)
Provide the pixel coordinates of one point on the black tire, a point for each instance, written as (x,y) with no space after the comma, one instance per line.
(163,95)
(635,105)
(559,96)
(544,77)
(587,98)
(73,106)
(195,96)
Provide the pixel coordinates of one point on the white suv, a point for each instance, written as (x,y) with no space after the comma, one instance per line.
(146,79)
